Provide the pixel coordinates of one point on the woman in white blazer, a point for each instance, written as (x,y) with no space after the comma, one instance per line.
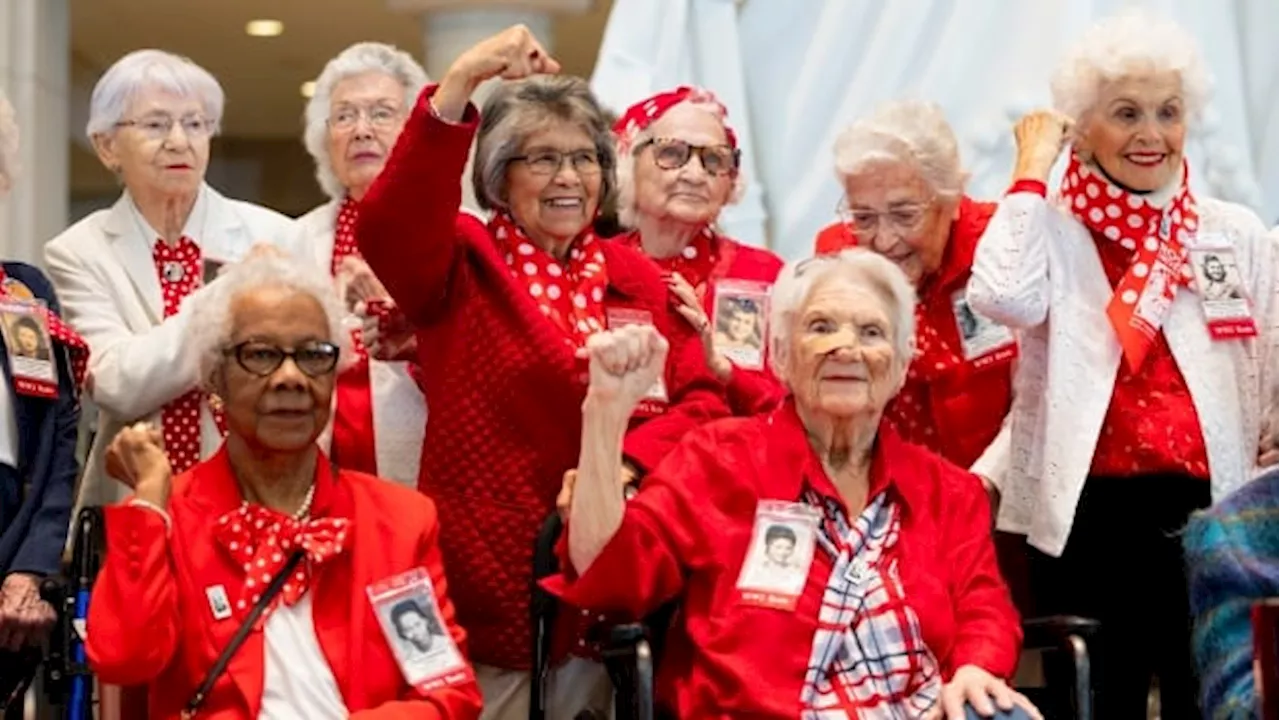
(124,273)
(1137,397)
(352,121)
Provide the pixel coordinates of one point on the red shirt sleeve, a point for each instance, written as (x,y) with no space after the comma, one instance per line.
(752,392)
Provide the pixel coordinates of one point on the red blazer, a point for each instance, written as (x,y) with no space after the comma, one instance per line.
(686,533)
(150,621)
(505,389)
(965,406)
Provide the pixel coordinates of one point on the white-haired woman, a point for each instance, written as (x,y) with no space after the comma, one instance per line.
(1137,398)
(678,166)
(904,198)
(889,602)
(123,273)
(352,121)
(193,558)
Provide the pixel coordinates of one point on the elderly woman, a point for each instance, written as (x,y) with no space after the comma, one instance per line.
(270,534)
(1137,398)
(904,198)
(887,604)
(353,120)
(678,165)
(502,312)
(38,421)
(123,273)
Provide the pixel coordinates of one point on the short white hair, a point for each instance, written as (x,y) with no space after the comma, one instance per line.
(209,329)
(1133,42)
(143,69)
(8,144)
(360,58)
(626,149)
(904,131)
(795,285)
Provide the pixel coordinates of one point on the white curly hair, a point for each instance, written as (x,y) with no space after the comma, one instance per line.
(904,131)
(8,144)
(1131,42)
(143,69)
(360,58)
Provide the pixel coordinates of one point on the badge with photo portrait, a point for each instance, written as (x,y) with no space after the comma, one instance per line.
(1223,296)
(655,401)
(983,340)
(417,635)
(776,566)
(740,317)
(25,326)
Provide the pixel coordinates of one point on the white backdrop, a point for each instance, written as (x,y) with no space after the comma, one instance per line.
(793,73)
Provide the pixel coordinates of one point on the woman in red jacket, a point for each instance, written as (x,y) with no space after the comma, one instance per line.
(190,559)
(678,165)
(501,312)
(904,198)
(825,567)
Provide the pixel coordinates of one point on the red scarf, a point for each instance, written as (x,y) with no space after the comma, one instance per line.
(696,263)
(353,443)
(77,348)
(1155,235)
(571,293)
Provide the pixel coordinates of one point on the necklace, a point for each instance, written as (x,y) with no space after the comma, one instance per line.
(305,510)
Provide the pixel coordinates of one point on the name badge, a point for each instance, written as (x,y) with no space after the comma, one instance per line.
(1223,296)
(740,316)
(777,562)
(25,326)
(983,341)
(411,622)
(655,400)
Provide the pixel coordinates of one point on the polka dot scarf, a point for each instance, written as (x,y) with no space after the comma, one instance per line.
(571,294)
(695,263)
(1156,236)
(260,541)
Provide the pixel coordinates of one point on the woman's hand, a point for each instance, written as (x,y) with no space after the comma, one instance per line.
(358,282)
(136,458)
(690,309)
(24,616)
(979,689)
(1040,136)
(624,364)
(385,331)
(1268,454)
(512,54)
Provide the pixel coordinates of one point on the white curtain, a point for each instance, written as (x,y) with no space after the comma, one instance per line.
(793,73)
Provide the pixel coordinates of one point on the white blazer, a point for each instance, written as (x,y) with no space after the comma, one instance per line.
(399,407)
(1037,269)
(103,271)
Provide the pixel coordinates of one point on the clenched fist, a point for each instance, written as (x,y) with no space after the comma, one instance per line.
(1040,136)
(512,54)
(136,458)
(624,364)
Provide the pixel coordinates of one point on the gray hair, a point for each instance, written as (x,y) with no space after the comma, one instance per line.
(1132,42)
(798,279)
(516,110)
(357,59)
(142,69)
(209,329)
(8,144)
(904,131)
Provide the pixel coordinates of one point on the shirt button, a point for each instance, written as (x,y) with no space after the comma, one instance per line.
(582,643)
(586,613)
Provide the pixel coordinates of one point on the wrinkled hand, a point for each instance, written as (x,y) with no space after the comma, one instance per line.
(24,616)
(358,282)
(982,691)
(1040,136)
(1268,454)
(624,364)
(136,458)
(386,332)
(564,501)
(690,309)
(512,54)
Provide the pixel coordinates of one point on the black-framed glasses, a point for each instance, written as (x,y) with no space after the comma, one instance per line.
(672,154)
(158,127)
(313,358)
(549,162)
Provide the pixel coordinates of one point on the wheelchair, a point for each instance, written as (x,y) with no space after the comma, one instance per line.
(631,651)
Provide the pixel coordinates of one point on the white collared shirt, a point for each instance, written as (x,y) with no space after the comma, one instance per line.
(296,679)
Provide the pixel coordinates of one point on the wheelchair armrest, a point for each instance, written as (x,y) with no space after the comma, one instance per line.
(1056,631)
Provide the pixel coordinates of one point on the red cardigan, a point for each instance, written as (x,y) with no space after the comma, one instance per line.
(505,389)
(150,622)
(685,534)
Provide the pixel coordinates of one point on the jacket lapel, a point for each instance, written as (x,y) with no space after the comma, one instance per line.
(126,234)
(219,230)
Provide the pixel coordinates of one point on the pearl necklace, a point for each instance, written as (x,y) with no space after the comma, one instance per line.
(305,510)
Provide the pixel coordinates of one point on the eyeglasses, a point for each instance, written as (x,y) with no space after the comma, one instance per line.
(549,162)
(379,116)
(314,358)
(905,218)
(671,154)
(158,127)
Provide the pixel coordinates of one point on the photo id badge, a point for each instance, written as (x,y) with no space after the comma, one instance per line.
(777,562)
(655,401)
(740,316)
(983,340)
(410,620)
(1226,303)
(26,337)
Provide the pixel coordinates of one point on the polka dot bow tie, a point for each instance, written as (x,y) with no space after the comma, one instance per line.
(260,541)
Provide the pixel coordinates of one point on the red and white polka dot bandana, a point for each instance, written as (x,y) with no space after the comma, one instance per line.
(1157,236)
(571,294)
(646,112)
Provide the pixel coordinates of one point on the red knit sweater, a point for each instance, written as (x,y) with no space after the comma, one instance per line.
(505,389)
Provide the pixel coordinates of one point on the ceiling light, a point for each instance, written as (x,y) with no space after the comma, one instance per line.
(264,28)
(308,88)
